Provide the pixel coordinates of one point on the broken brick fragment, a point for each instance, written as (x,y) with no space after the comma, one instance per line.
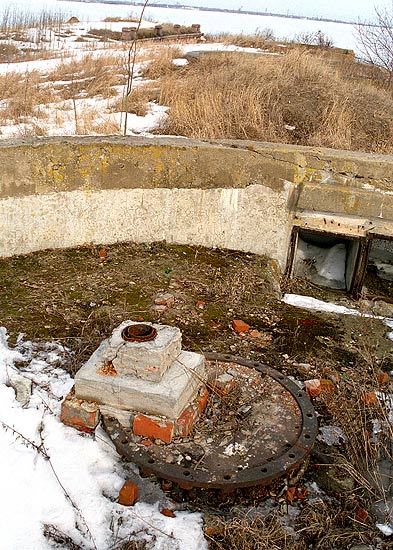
(128,493)
(240,326)
(81,415)
(201,400)
(168,513)
(383,378)
(223,384)
(313,387)
(370,398)
(327,386)
(186,420)
(166,299)
(200,304)
(153,428)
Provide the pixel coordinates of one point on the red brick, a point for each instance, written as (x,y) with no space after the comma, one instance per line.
(81,415)
(327,386)
(153,428)
(128,494)
(223,384)
(166,299)
(186,420)
(240,326)
(370,398)
(383,378)
(201,400)
(168,513)
(313,387)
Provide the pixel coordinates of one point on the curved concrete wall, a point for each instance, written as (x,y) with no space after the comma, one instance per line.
(62,192)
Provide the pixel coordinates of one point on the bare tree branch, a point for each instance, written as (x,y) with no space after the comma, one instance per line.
(376,40)
(131,68)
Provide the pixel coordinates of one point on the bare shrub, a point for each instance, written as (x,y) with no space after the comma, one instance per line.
(375,40)
(317,38)
(299,98)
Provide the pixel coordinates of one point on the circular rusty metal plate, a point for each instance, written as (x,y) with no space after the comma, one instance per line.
(259,432)
(138,333)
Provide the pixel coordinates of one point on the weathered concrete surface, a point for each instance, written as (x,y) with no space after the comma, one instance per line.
(169,397)
(62,192)
(254,219)
(145,360)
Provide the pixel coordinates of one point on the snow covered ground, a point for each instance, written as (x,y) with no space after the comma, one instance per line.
(306,302)
(212,22)
(58,481)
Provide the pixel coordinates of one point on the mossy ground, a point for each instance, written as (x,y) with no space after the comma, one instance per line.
(76,297)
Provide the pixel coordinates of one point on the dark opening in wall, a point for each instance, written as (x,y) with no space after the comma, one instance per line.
(327,259)
(379,272)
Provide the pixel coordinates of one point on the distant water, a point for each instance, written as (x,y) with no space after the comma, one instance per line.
(350,10)
(211,22)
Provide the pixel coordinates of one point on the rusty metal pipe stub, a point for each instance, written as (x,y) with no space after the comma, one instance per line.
(139,332)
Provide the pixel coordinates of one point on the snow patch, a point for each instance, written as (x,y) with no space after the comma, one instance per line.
(54,476)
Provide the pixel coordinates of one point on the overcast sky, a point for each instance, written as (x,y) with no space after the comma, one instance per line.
(345,9)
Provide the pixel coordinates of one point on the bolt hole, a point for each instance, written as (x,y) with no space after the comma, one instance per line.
(264,470)
(124,440)
(256,364)
(300,394)
(288,445)
(307,436)
(227,477)
(228,357)
(297,427)
(309,415)
(186,473)
(291,455)
(151,461)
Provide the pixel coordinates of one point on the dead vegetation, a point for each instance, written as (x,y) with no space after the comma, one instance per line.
(90,76)
(23,95)
(162,64)
(298,97)
(78,296)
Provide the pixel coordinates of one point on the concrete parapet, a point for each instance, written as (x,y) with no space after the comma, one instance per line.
(242,195)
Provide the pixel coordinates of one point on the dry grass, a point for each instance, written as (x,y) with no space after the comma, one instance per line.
(162,64)
(88,77)
(250,533)
(137,103)
(255,97)
(22,95)
(261,39)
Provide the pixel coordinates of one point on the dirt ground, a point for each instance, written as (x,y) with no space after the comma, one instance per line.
(77,296)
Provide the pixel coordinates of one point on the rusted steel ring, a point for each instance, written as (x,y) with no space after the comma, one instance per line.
(263,474)
(139,332)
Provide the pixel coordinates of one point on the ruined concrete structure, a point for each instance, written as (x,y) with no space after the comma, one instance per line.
(141,376)
(249,196)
